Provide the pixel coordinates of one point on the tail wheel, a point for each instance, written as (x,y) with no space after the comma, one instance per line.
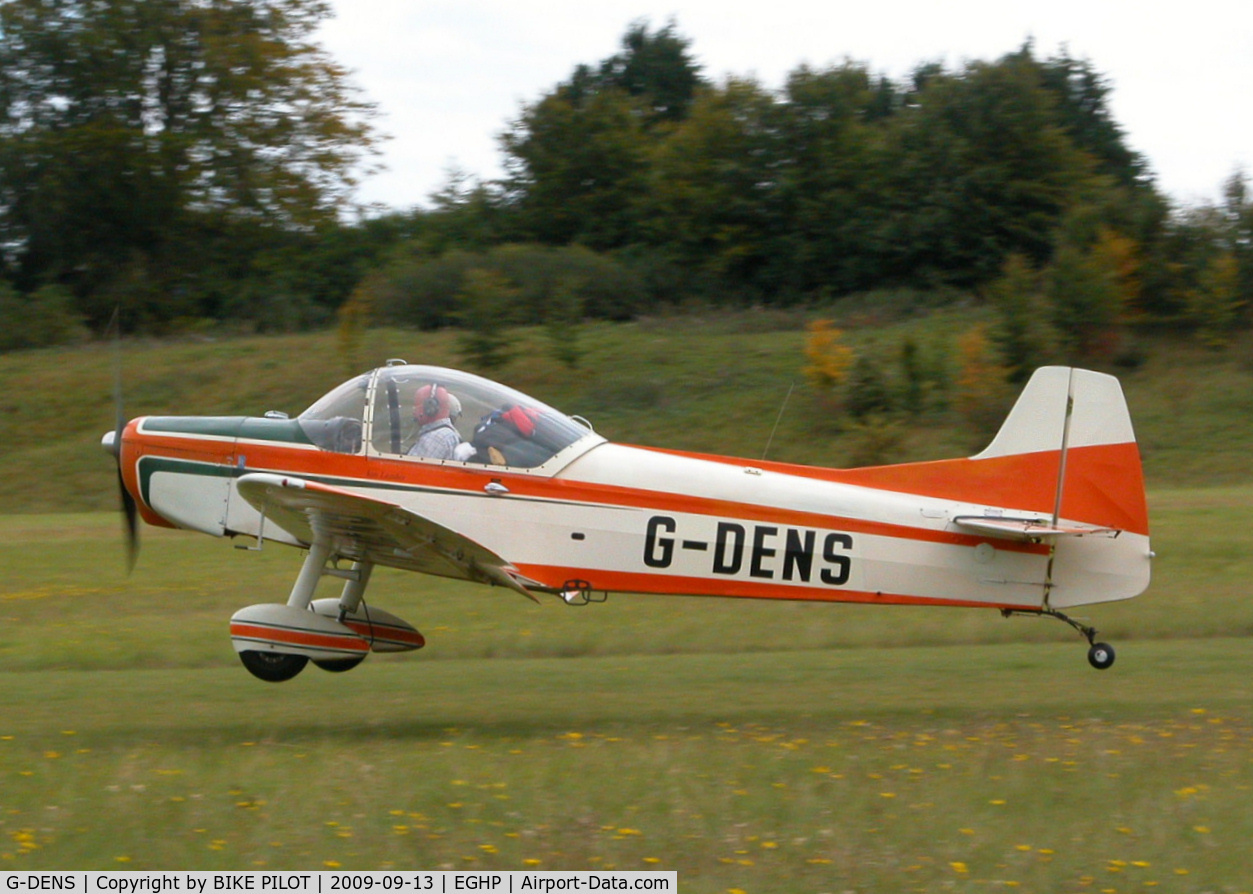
(273,667)
(339,665)
(1101,655)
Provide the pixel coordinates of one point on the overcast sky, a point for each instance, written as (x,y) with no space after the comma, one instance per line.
(449,75)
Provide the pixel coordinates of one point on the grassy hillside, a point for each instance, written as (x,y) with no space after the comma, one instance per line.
(712,383)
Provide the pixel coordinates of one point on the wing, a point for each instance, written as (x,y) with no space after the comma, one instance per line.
(365,529)
(1028,528)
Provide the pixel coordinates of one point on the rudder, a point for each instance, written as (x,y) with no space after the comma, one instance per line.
(1077,422)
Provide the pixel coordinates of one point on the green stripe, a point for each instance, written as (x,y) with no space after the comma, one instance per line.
(255,428)
(150,465)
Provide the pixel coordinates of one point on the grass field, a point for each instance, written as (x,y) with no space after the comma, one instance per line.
(750,747)
(747,746)
(922,769)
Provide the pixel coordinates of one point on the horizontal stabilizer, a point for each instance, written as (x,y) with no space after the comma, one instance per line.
(1029,528)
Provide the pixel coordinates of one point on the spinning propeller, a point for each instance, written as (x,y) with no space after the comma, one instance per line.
(112,442)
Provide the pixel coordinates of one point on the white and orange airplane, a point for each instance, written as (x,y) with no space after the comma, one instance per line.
(438,471)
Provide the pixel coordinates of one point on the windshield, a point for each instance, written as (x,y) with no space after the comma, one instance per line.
(443,414)
(335,421)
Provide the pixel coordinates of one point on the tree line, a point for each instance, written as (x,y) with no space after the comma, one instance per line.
(190,160)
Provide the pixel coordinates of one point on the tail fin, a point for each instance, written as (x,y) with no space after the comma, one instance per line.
(1066,451)
(1071,430)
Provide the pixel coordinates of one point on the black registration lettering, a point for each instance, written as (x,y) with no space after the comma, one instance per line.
(761,552)
(773,553)
(659,551)
(729,548)
(798,555)
(840,563)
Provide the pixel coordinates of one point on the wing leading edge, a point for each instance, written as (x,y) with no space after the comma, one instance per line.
(361,528)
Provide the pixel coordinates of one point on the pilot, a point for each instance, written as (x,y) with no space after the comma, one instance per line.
(435,409)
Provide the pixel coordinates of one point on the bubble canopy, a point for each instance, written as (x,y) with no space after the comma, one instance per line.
(388,411)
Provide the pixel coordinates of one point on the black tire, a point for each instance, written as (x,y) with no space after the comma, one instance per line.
(273,667)
(1101,655)
(339,665)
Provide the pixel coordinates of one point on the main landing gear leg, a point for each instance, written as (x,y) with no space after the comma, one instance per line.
(354,588)
(1100,655)
(350,597)
(310,573)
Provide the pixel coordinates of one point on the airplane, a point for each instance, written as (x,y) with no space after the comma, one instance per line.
(447,473)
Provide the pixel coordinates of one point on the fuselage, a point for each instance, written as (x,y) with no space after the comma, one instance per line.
(613,517)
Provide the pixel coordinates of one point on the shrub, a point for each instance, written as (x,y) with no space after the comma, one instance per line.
(42,319)
(982,395)
(829,358)
(484,312)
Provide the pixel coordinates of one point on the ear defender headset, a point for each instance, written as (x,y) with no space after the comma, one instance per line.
(430,406)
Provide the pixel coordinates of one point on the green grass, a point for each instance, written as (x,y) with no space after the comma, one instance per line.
(748,746)
(919,769)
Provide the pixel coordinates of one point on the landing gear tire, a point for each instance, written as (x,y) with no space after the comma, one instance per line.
(273,667)
(339,665)
(1101,655)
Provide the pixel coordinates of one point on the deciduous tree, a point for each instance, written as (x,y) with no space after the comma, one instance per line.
(133,131)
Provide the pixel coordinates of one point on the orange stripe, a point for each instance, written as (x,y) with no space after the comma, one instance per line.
(399,635)
(1105,485)
(677,585)
(305,638)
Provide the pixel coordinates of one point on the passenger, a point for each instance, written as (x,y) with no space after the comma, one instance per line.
(505,438)
(436,409)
